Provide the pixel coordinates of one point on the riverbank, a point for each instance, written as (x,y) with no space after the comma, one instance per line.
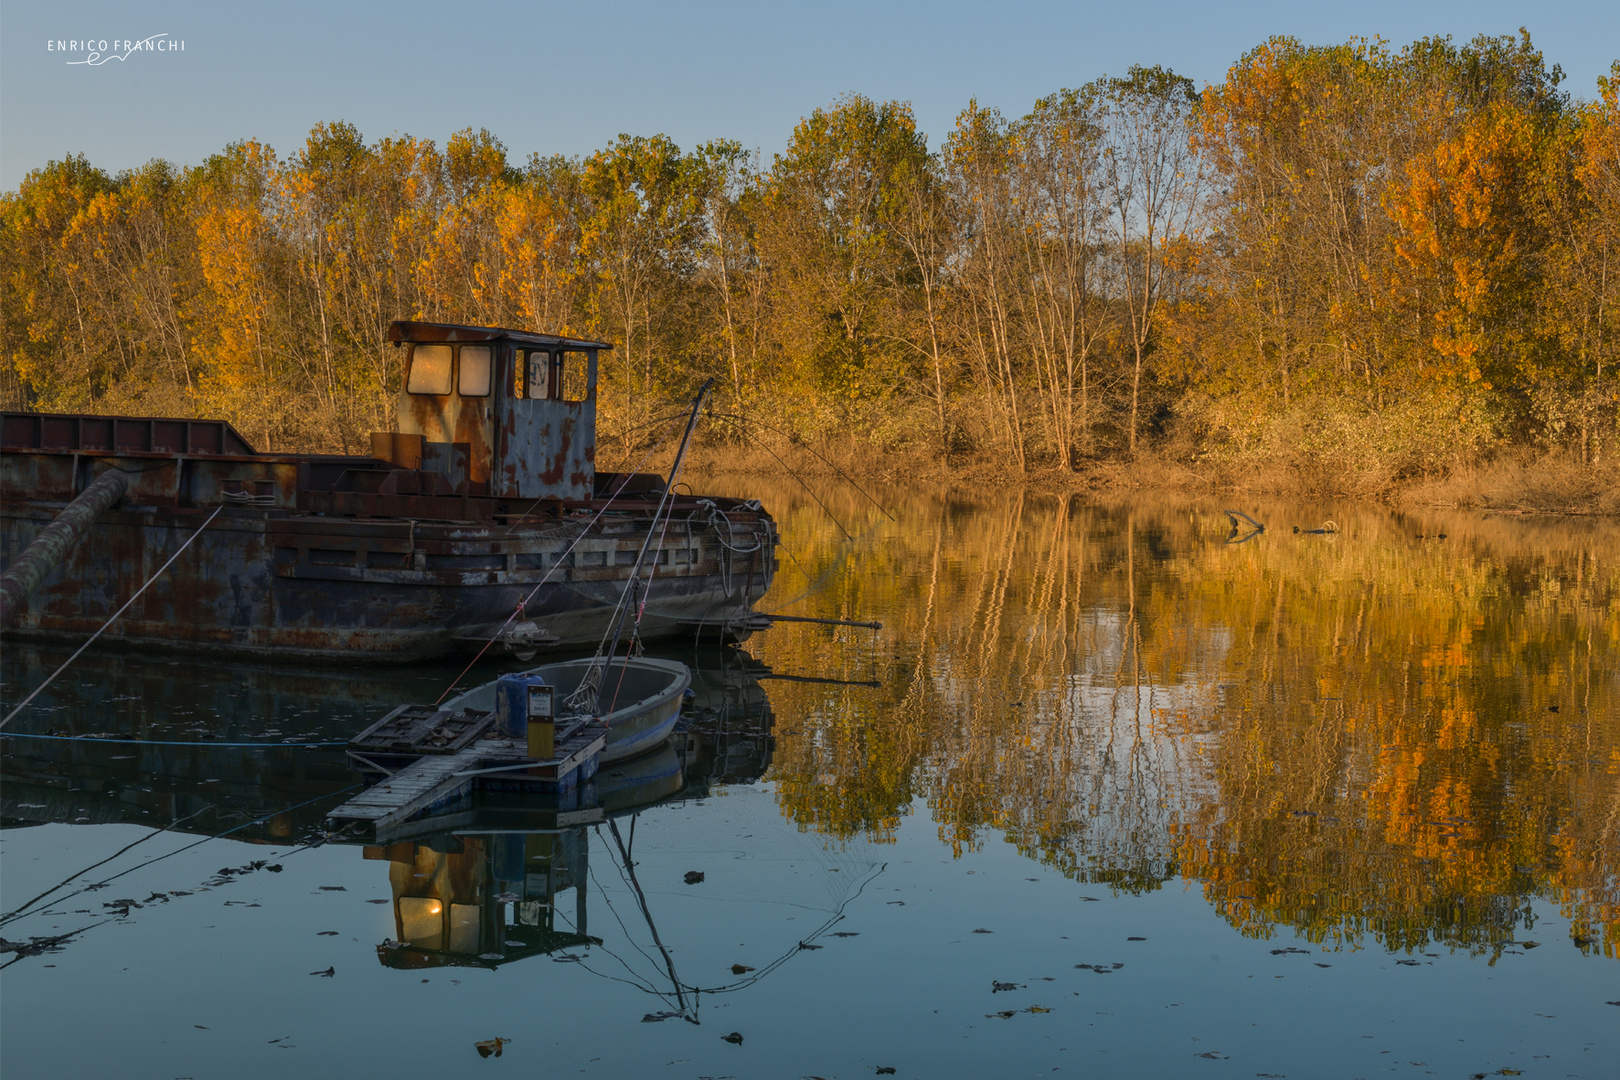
(1513,482)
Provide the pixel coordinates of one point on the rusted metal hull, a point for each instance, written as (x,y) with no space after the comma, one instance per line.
(351,558)
(331,588)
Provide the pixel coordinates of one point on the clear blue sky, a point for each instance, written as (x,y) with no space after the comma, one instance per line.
(568,77)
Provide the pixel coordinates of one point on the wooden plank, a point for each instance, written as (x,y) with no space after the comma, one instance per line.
(413,788)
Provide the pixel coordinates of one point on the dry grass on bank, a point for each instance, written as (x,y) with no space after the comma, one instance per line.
(1553,482)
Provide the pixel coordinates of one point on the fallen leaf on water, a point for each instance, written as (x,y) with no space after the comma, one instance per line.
(1005,1014)
(326,933)
(1037,1009)
(807,945)
(981,930)
(1320,964)
(1212,1055)
(885,1070)
(1136,939)
(334,888)
(740,969)
(694,876)
(735,1038)
(998,987)
(1528,945)
(847,933)
(327,974)
(490,1046)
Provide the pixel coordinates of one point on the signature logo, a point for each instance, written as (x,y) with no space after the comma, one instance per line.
(99,52)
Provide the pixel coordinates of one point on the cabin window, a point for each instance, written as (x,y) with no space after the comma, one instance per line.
(575,381)
(421,921)
(475,365)
(464,920)
(539,375)
(430,369)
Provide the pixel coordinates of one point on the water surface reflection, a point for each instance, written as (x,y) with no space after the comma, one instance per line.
(1403,731)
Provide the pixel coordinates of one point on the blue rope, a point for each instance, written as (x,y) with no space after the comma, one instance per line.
(160,742)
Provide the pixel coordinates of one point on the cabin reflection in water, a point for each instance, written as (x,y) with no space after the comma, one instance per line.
(504,876)
(484,899)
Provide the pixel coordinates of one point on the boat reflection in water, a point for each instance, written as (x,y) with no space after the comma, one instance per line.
(130,738)
(484,884)
(481,887)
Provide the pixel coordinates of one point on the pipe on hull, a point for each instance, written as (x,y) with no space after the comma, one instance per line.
(55,541)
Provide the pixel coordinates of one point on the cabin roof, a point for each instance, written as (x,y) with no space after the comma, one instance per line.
(404,330)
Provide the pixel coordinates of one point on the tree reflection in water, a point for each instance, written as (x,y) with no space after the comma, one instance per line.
(1374,733)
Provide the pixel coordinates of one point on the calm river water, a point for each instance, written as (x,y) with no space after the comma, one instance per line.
(1109,794)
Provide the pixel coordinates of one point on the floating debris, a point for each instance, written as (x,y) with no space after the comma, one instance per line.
(694,876)
(740,969)
(735,1038)
(327,974)
(999,987)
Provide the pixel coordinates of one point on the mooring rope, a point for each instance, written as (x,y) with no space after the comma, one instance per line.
(163,742)
(19,912)
(39,689)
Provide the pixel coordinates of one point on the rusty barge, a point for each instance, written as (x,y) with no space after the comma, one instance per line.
(486,494)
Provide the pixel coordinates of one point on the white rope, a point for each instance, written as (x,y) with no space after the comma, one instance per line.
(40,689)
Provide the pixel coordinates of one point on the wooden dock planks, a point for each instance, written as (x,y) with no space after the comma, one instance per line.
(435,778)
(423,783)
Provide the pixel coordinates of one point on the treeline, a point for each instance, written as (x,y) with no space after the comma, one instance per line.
(1384,259)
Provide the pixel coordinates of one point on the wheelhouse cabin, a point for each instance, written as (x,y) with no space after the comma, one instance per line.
(509,413)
